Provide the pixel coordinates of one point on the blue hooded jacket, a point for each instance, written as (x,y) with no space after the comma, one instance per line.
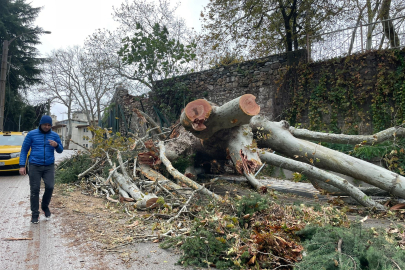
(42,153)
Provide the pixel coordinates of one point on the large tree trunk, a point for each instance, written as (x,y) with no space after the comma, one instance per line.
(227,132)
(243,153)
(388,26)
(204,119)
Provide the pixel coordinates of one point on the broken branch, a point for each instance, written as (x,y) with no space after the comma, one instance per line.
(177,175)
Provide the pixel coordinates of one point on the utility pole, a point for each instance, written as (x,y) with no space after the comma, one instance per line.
(3,82)
(48,107)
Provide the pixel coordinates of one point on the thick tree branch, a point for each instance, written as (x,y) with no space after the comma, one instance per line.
(279,138)
(177,175)
(324,176)
(381,136)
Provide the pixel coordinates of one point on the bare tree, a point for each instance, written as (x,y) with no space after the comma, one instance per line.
(79,79)
(57,84)
(133,17)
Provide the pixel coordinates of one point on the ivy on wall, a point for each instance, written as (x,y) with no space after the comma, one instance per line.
(171,98)
(358,94)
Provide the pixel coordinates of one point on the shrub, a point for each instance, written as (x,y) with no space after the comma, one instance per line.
(68,170)
(361,249)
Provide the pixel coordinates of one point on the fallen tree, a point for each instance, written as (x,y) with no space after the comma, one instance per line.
(236,132)
(144,173)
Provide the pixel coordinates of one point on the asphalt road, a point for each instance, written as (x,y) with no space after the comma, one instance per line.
(48,250)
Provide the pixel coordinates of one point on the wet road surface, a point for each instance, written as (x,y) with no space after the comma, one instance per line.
(48,250)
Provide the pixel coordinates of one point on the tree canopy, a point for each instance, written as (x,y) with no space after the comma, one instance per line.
(261,27)
(153,43)
(17,18)
(257,28)
(155,53)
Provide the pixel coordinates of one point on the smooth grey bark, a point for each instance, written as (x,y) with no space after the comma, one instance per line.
(381,136)
(179,176)
(281,140)
(321,175)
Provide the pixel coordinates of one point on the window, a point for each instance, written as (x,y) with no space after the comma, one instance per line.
(87,145)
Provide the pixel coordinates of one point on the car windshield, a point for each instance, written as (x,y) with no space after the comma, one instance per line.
(11,140)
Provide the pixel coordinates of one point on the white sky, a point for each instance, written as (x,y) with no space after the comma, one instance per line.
(72,21)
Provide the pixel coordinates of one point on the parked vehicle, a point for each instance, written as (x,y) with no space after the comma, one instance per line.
(10,149)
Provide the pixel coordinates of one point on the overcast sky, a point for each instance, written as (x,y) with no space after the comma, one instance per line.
(72,21)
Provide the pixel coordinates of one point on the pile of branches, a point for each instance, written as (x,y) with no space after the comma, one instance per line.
(141,177)
(235,131)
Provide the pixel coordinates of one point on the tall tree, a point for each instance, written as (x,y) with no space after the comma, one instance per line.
(260,27)
(17,18)
(144,27)
(156,55)
(369,12)
(79,79)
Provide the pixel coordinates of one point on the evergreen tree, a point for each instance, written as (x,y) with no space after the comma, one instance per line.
(17,18)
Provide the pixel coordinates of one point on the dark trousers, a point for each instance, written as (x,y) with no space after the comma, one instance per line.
(47,173)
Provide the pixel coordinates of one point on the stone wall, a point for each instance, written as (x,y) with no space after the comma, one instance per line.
(287,90)
(358,94)
(128,121)
(220,85)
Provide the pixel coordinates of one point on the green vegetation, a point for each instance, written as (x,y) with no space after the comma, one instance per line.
(340,96)
(182,163)
(68,170)
(155,54)
(16,18)
(258,233)
(360,249)
(172,98)
(226,60)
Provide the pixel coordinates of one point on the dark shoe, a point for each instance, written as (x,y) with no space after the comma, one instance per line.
(34,220)
(47,212)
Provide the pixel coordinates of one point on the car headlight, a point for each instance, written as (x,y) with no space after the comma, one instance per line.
(15,155)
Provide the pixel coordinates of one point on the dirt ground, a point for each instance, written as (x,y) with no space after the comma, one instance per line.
(104,227)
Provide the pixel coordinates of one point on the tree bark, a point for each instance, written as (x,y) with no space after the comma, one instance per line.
(348,139)
(387,24)
(128,186)
(152,122)
(279,138)
(243,153)
(177,175)
(156,176)
(327,177)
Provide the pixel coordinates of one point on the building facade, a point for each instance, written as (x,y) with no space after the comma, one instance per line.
(81,135)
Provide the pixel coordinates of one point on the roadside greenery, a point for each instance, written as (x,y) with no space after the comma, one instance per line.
(253,231)
(68,170)
(16,18)
(360,248)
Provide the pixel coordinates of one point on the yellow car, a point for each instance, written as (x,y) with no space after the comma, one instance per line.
(10,148)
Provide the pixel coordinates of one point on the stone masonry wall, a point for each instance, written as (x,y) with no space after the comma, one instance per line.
(220,85)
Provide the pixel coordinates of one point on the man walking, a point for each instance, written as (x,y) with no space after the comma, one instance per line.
(43,142)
